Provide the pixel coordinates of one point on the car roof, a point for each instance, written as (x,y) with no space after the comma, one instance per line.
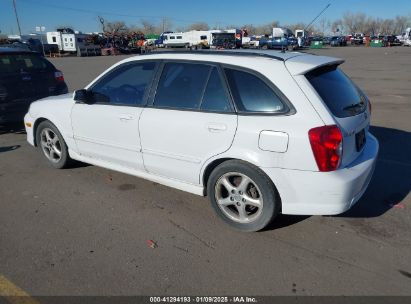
(14,50)
(296,62)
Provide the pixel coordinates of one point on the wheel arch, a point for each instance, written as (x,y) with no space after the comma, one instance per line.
(38,121)
(216,162)
(209,168)
(35,127)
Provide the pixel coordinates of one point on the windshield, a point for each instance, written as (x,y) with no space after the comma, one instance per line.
(337,91)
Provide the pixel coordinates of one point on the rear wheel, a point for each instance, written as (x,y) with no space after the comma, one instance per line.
(243,196)
(52,145)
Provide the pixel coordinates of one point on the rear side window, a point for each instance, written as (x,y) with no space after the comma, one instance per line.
(337,91)
(181,85)
(252,94)
(215,96)
(15,63)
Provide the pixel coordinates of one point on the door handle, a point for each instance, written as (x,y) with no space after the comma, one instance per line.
(216,127)
(124,117)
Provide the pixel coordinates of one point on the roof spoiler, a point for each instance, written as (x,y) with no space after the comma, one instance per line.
(301,65)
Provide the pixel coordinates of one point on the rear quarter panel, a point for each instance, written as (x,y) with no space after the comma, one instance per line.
(298,155)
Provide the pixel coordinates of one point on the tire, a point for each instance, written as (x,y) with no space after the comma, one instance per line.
(243,196)
(52,146)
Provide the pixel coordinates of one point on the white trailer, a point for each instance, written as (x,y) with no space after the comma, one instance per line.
(282,32)
(67,42)
(300,33)
(191,39)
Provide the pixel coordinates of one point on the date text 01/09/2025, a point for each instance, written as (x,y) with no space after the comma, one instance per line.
(201,299)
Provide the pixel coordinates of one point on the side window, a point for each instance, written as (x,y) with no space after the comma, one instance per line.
(125,85)
(181,85)
(215,97)
(252,94)
(54,39)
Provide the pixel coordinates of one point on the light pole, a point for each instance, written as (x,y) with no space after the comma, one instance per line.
(17,17)
(41,29)
(328,5)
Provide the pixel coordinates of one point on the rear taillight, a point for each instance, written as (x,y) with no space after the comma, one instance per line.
(326,143)
(59,76)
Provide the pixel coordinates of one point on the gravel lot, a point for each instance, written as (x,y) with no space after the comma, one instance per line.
(84,231)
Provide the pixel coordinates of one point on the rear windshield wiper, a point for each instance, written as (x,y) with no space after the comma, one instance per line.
(354,106)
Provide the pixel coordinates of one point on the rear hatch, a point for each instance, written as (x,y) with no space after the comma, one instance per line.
(348,105)
(25,77)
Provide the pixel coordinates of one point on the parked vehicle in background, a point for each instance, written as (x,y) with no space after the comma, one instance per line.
(282,43)
(25,76)
(226,39)
(222,124)
(282,38)
(175,40)
(282,32)
(160,41)
(338,41)
(31,42)
(199,39)
(67,40)
(357,39)
(300,33)
(405,38)
(391,40)
(326,40)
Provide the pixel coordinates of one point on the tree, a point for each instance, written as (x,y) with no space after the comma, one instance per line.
(400,24)
(116,27)
(198,26)
(296,26)
(267,29)
(148,27)
(251,29)
(165,25)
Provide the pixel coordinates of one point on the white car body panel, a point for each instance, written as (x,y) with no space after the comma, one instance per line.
(165,145)
(108,133)
(177,146)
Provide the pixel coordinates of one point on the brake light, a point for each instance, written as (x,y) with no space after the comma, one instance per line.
(326,143)
(59,76)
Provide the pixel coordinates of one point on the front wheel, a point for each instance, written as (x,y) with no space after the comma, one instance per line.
(243,196)
(52,145)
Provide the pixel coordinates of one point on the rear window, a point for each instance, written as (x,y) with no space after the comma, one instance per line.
(15,63)
(337,91)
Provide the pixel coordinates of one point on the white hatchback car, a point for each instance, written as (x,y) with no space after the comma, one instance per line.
(259,133)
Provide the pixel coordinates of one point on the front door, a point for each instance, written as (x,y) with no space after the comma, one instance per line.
(107,128)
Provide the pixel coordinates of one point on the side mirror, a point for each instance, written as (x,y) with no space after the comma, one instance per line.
(82,96)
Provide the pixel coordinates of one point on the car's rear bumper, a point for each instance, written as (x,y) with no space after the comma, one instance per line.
(325,193)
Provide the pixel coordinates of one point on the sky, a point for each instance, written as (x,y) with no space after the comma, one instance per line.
(82,15)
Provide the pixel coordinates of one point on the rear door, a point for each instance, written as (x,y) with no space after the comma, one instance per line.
(348,105)
(190,120)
